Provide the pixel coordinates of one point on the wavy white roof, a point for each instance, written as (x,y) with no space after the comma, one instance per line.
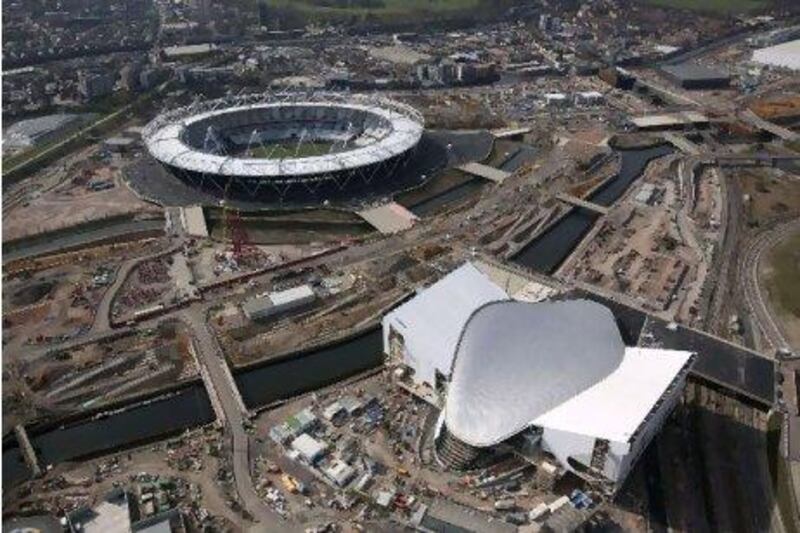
(515,361)
(164,141)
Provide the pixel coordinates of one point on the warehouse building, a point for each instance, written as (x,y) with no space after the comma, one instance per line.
(518,369)
(41,130)
(693,76)
(786,55)
(280,302)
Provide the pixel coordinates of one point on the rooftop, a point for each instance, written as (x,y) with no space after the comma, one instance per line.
(437,315)
(693,71)
(786,55)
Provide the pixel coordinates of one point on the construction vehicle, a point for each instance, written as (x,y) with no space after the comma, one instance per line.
(290,483)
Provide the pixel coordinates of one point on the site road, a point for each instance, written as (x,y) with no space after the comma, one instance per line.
(211,357)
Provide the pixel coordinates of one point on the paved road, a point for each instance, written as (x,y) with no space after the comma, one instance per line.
(102,317)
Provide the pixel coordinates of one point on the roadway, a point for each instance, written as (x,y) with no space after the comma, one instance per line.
(770,127)
(102,317)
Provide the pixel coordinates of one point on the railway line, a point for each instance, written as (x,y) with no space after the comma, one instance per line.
(769,329)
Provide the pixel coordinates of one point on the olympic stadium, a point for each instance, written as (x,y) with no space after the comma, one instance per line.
(308,149)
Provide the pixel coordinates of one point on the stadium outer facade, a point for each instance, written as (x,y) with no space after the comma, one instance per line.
(208,145)
(504,370)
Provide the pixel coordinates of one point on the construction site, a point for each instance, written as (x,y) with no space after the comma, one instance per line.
(228,357)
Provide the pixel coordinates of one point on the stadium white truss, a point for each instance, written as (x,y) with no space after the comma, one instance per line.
(209,144)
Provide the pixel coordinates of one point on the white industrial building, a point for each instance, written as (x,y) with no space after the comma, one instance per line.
(556,371)
(424,331)
(309,448)
(41,130)
(275,303)
(786,55)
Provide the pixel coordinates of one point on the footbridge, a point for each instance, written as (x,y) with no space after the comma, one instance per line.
(770,127)
(485,171)
(579,202)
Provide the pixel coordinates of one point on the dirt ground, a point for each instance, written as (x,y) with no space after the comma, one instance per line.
(95,374)
(87,481)
(53,305)
(74,202)
(214,261)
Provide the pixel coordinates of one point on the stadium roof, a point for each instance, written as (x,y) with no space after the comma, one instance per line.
(614,408)
(165,143)
(561,365)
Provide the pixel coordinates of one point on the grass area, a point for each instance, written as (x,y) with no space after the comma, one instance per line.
(291,150)
(769,196)
(377,7)
(392,12)
(712,6)
(785,279)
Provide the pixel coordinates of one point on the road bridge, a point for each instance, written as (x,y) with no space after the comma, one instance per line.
(770,127)
(681,143)
(574,200)
(507,133)
(485,171)
(28,453)
(232,412)
(389,218)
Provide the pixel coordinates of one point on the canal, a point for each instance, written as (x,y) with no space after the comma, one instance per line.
(262,385)
(548,251)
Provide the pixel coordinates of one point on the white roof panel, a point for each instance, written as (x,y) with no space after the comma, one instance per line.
(516,361)
(432,321)
(786,55)
(615,407)
(299,293)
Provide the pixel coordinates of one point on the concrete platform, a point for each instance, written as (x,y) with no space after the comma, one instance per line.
(389,218)
(574,200)
(485,171)
(194,221)
(505,133)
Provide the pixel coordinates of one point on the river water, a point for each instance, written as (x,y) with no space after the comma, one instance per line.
(190,407)
(172,414)
(548,251)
